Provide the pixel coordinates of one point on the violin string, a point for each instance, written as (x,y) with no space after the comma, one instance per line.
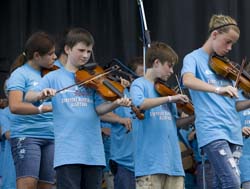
(178,83)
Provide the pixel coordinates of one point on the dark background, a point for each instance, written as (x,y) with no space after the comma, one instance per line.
(116,25)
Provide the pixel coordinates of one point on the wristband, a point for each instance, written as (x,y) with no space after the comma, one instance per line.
(40,109)
(169,98)
(217,90)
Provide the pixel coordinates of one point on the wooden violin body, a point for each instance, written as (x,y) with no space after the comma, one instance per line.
(164,90)
(110,90)
(100,83)
(223,67)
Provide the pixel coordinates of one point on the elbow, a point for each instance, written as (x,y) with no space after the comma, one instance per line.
(28,97)
(186,81)
(14,109)
(101,113)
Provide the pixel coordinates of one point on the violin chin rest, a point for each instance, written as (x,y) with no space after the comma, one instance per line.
(89,66)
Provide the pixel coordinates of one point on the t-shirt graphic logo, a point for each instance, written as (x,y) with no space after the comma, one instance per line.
(82,91)
(208,72)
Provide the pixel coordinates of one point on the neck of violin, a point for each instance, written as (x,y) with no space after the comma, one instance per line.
(112,88)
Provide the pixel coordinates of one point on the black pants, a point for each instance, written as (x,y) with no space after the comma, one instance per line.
(78,176)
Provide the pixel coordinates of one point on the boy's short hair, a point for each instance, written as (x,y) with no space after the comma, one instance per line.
(161,51)
(77,35)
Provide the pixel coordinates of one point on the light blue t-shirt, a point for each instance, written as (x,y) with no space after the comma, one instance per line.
(58,63)
(215,115)
(76,124)
(157,150)
(122,145)
(245,158)
(5,119)
(106,142)
(9,173)
(24,79)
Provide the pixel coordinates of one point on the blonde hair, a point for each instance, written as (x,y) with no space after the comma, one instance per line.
(222,24)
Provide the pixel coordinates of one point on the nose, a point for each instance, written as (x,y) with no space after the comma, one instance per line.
(229,47)
(54,57)
(171,70)
(85,54)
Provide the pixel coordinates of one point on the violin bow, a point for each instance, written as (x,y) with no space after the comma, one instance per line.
(178,83)
(240,72)
(179,86)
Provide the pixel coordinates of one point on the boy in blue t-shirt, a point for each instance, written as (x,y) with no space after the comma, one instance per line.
(157,153)
(79,153)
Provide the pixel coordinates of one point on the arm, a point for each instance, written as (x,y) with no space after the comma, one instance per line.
(110,117)
(246,131)
(153,102)
(35,96)
(185,123)
(18,106)
(114,118)
(7,135)
(191,135)
(190,81)
(242,105)
(110,106)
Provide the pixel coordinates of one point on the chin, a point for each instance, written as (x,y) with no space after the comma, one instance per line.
(221,53)
(165,78)
(83,63)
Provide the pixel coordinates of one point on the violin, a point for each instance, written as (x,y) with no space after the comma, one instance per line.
(45,71)
(164,90)
(226,69)
(110,90)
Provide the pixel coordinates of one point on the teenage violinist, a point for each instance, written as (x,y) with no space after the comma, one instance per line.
(79,152)
(218,127)
(157,154)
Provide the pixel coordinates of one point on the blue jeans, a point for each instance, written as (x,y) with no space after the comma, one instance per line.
(208,175)
(224,157)
(124,178)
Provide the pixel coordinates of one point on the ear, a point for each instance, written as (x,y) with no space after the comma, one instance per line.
(36,55)
(67,49)
(156,62)
(214,34)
